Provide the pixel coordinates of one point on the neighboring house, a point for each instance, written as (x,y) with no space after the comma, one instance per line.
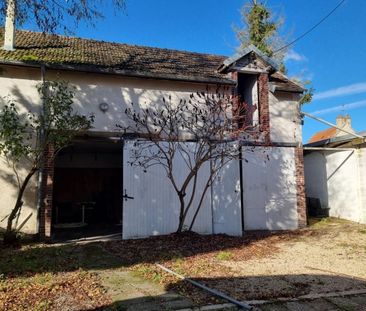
(88,180)
(342,123)
(335,171)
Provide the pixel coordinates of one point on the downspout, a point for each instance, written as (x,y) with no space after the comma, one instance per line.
(40,172)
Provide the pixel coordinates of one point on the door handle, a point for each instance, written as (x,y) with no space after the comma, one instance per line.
(127,197)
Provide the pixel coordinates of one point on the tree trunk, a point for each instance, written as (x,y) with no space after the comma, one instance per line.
(181,215)
(10,234)
(200,203)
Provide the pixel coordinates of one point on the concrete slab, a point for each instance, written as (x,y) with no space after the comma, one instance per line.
(298,306)
(273,307)
(177,304)
(344,303)
(322,305)
(131,292)
(360,300)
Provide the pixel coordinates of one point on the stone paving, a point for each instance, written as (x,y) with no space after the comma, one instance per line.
(347,303)
(132,293)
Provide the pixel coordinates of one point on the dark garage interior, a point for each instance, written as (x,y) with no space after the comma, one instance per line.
(87,194)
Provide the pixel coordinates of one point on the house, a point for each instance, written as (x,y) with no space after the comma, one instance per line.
(91,182)
(343,124)
(335,171)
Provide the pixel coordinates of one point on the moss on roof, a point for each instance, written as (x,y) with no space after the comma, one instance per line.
(99,56)
(37,47)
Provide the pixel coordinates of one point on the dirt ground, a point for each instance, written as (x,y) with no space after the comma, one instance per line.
(334,260)
(327,257)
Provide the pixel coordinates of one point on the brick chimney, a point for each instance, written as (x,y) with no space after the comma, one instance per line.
(344,122)
(9,35)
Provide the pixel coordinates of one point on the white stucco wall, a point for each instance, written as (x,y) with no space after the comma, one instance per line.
(362,177)
(19,85)
(285,118)
(92,89)
(27,219)
(343,185)
(337,179)
(119,92)
(269,190)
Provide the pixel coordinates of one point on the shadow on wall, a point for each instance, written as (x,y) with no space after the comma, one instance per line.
(87,99)
(332,177)
(119,93)
(270,188)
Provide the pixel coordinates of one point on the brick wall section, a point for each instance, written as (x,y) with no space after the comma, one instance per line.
(263,98)
(45,217)
(300,184)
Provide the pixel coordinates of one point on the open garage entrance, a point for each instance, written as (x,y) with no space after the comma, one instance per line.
(87,193)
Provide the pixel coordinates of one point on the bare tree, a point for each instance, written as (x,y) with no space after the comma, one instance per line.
(199,131)
(53,15)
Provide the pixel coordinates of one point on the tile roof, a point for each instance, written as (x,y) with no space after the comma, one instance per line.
(36,47)
(323,135)
(285,84)
(62,52)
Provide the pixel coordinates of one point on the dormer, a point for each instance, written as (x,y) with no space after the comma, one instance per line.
(259,83)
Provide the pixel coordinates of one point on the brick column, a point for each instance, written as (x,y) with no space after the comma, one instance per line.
(300,184)
(263,106)
(45,217)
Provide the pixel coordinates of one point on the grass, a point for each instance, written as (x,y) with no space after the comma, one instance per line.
(35,276)
(224,255)
(149,273)
(324,223)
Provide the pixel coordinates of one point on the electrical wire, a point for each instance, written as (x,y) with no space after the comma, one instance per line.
(311,29)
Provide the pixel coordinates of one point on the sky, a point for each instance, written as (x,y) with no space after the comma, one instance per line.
(332,56)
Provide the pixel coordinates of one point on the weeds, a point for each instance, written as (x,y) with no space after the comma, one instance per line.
(224,255)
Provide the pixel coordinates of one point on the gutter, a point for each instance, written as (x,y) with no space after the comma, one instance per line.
(328,149)
(40,172)
(126,73)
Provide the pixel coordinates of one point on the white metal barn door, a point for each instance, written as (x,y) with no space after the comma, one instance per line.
(269,194)
(226,205)
(149,203)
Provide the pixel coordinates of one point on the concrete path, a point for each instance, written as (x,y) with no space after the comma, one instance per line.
(347,303)
(132,293)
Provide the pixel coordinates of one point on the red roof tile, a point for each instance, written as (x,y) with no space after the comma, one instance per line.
(322,135)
